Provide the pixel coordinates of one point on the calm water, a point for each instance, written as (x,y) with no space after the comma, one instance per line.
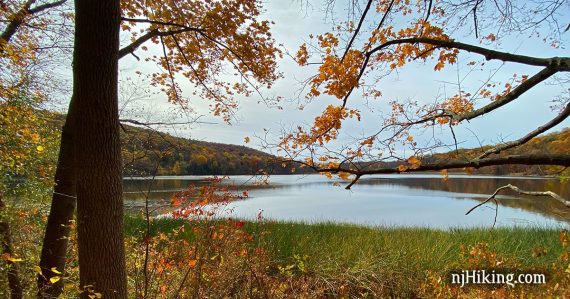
(390,200)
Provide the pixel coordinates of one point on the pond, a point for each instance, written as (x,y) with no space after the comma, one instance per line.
(424,200)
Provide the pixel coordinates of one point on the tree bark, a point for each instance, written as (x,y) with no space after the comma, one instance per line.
(54,247)
(97,149)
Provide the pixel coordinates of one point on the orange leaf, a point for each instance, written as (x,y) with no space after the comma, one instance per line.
(192,263)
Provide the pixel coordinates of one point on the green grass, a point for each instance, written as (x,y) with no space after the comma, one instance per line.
(396,258)
(396,247)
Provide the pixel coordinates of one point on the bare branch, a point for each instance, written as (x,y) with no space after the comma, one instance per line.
(146,124)
(523,192)
(189,28)
(555,121)
(43,7)
(385,15)
(475,25)
(362,17)
(428,12)
(356,178)
(129,49)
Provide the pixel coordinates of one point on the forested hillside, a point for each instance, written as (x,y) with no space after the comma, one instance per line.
(553,143)
(146,152)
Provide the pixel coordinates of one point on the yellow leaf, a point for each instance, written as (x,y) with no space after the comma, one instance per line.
(415,162)
(14,260)
(343,175)
(38,269)
(8,257)
(54,279)
(246,140)
(40,148)
(54,270)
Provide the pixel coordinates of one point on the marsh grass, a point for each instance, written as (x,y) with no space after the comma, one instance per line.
(419,248)
(390,260)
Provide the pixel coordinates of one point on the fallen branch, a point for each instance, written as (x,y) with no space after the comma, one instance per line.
(520,191)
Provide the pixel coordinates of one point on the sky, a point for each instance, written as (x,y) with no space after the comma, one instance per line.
(293,24)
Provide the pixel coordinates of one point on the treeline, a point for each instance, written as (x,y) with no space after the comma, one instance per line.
(146,152)
(553,143)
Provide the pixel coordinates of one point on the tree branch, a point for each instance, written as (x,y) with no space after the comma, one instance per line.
(17,19)
(555,121)
(146,124)
(362,17)
(532,159)
(559,63)
(511,96)
(428,12)
(147,36)
(134,20)
(43,7)
(520,191)
(385,15)
(130,49)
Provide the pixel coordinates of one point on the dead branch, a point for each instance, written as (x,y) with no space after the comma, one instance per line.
(147,124)
(522,192)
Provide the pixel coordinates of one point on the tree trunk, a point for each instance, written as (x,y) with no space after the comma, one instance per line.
(97,149)
(14,284)
(54,247)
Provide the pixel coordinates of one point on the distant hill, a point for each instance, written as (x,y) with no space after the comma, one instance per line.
(145,151)
(553,143)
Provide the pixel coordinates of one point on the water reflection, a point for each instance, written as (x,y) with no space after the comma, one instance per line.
(413,200)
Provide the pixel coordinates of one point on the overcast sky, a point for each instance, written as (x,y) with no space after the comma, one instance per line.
(293,24)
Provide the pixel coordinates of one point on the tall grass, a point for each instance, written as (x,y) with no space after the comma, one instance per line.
(396,257)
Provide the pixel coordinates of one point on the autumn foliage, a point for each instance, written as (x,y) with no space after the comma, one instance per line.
(199,40)
(358,58)
(205,43)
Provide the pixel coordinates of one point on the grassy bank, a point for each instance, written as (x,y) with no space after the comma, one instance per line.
(397,261)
